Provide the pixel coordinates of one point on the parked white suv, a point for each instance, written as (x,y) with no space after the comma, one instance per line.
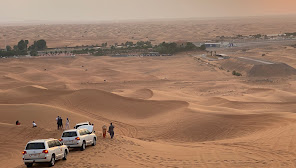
(80,137)
(81,124)
(44,150)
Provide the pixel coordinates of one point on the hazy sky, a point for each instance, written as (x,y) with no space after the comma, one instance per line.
(98,10)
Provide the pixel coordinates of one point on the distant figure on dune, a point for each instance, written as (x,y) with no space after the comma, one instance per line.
(111,130)
(104,130)
(34,124)
(67,124)
(61,123)
(57,120)
(17,122)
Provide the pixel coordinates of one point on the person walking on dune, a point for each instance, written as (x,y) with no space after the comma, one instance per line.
(111,130)
(104,130)
(67,124)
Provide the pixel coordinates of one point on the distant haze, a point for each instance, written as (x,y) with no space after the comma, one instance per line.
(110,10)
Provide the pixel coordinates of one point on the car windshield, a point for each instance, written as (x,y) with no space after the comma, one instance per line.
(35,146)
(69,134)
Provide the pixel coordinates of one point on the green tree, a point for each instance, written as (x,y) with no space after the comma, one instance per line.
(22,45)
(40,44)
(33,53)
(15,47)
(190,46)
(8,48)
(203,47)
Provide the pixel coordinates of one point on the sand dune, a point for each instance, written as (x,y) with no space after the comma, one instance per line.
(199,116)
(168,111)
(141,94)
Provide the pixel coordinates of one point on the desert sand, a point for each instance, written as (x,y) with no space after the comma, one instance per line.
(157,31)
(176,111)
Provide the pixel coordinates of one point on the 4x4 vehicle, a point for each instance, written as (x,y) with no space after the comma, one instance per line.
(81,137)
(81,124)
(44,150)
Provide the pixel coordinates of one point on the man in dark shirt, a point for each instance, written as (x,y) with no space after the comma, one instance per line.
(111,130)
(61,123)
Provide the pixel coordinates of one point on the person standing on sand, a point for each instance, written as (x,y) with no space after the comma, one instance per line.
(61,123)
(111,130)
(104,130)
(57,119)
(67,124)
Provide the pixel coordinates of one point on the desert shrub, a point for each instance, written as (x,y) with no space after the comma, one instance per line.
(236,73)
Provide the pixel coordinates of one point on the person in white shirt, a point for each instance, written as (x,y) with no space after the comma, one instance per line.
(67,124)
(34,124)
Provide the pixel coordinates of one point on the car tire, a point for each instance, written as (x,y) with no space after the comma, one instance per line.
(29,164)
(65,155)
(83,146)
(52,161)
(94,142)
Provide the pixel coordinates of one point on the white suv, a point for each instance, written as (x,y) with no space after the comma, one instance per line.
(44,150)
(81,137)
(81,124)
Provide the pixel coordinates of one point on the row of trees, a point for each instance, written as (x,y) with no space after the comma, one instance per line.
(22,48)
(291,34)
(163,48)
(172,48)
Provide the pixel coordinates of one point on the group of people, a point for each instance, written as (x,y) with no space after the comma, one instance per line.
(59,121)
(18,123)
(110,130)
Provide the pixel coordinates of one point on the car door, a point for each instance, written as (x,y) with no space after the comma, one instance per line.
(89,137)
(52,147)
(82,135)
(59,149)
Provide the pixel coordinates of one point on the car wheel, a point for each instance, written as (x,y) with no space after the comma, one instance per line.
(52,161)
(94,142)
(29,164)
(83,146)
(65,155)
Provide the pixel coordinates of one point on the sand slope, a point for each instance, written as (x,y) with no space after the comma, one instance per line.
(167,111)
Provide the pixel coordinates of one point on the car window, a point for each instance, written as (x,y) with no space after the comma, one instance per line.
(87,132)
(35,146)
(69,134)
(51,144)
(57,143)
(82,132)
